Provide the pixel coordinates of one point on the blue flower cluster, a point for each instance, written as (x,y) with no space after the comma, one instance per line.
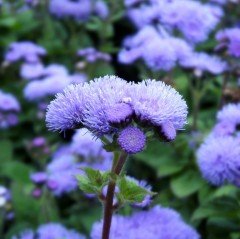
(157,45)
(110,107)
(219,155)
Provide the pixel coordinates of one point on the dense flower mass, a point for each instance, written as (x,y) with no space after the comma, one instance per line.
(9,109)
(228,119)
(219,155)
(150,104)
(193,19)
(90,54)
(80,9)
(47,80)
(219,159)
(204,63)
(157,23)
(26,51)
(230,38)
(157,223)
(50,231)
(156,48)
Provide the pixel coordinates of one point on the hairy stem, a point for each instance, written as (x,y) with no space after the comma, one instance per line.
(108,206)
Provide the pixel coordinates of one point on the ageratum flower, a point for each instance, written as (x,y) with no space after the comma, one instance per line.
(228,120)
(31,71)
(157,223)
(80,9)
(158,50)
(231,39)
(204,63)
(51,80)
(219,160)
(90,54)
(26,51)
(192,19)
(9,108)
(110,107)
(50,231)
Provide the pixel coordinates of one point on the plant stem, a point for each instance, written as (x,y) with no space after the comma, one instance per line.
(108,206)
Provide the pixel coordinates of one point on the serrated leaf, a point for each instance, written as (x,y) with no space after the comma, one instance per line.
(130,192)
(85,185)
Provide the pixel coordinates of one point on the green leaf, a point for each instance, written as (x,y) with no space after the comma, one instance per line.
(85,184)
(130,192)
(6,151)
(93,181)
(161,157)
(186,184)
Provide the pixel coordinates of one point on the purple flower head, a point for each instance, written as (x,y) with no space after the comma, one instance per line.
(192,19)
(61,173)
(39,89)
(28,234)
(39,177)
(91,55)
(26,51)
(119,113)
(158,50)
(204,63)
(86,104)
(39,142)
(158,222)
(55,69)
(219,160)
(65,112)
(152,103)
(159,55)
(9,107)
(8,102)
(31,71)
(155,102)
(101,9)
(50,231)
(231,38)
(228,120)
(79,9)
(132,140)
(168,131)
(135,46)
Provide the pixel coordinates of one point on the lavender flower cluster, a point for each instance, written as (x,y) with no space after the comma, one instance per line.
(50,231)
(156,223)
(44,81)
(80,10)
(111,107)
(9,109)
(219,155)
(155,42)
